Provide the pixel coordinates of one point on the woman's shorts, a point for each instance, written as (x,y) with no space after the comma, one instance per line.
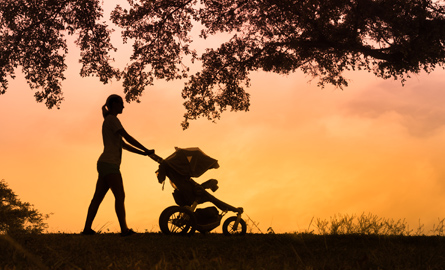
(104,169)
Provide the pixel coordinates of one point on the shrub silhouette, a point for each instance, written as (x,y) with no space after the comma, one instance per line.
(370,224)
(17,216)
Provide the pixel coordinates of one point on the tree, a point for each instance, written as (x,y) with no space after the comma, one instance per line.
(32,35)
(16,216)
(322,38)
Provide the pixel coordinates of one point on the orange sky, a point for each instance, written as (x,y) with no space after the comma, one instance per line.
(301,151)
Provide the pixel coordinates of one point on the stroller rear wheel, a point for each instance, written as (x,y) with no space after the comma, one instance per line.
(177,220)
(230,229)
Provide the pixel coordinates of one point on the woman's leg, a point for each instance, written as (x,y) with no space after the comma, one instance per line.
(117,187)
(101,190)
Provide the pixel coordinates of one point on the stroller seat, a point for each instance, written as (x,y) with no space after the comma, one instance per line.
(185,217)
(187,191)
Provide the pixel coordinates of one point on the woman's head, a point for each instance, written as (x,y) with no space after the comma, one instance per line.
(111,103)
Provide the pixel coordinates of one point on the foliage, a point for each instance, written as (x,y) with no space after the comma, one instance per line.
(370,224)
(439,229)
(17,216)
(322,38)
(32,35)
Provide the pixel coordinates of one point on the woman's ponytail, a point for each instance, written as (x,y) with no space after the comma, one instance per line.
(105,111)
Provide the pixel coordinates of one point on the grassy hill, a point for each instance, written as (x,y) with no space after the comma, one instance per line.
(216,251)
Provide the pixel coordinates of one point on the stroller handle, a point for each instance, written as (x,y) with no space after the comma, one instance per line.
(156,158)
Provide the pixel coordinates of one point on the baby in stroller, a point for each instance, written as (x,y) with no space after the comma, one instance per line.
(185,217)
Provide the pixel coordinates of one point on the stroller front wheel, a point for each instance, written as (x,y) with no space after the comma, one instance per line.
(229,227)
(177,220)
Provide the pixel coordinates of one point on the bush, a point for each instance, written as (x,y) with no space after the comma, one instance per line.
(17,216)
(367,224)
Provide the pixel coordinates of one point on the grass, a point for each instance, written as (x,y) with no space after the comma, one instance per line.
(343,242)
(369,224)
(215,251)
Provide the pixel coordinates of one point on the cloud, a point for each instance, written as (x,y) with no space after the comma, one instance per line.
(418,106)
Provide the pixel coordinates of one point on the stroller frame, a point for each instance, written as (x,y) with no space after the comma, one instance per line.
(185,218)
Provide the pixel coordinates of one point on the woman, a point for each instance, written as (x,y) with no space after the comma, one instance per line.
(109,162)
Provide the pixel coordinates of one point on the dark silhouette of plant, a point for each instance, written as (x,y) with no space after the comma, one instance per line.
(322,38)
(32,35)
(365,224)
(17,216)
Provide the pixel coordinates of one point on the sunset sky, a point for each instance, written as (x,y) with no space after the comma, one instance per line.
(301,152)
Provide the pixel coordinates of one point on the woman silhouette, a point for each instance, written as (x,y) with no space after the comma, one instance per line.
(109,162)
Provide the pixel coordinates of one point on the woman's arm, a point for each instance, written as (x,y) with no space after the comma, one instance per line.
(132,149)
(134,146)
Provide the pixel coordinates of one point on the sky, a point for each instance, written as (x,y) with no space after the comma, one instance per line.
(301,153)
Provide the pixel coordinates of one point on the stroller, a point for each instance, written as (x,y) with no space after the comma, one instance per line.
(185,218)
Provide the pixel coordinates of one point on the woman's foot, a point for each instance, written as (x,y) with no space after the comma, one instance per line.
(88,232)
(128,232)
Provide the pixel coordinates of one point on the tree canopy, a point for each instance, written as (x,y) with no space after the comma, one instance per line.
(322,38)
(17,216)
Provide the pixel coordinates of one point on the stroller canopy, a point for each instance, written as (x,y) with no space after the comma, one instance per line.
(191,161)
